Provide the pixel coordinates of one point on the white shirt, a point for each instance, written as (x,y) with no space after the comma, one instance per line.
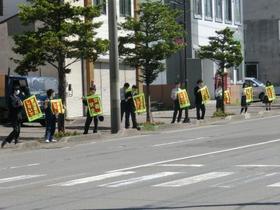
(174,93)
(122,93)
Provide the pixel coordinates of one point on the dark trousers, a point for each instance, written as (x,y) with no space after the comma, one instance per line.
(219,103)
(200,107)
(15,132)
(130,112)
(187,119)
(50,128)
(122,109)
(176,110)
(88,122)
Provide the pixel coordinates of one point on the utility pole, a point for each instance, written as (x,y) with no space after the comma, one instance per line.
(89,67)
(114,68)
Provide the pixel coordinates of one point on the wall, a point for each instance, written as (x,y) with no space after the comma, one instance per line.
(10,8)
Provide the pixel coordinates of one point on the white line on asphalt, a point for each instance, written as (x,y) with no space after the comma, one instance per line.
(41,181)
(198,155)
(18,178)
(258,166)
(138,179)
(92,179)
(23,166)
(194,179)
(182,165)
(178,142)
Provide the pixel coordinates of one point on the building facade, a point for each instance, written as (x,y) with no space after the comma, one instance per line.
(11,25)
(262,39)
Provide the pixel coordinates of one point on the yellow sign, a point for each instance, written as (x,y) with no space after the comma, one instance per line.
(205,94)
(270,92)
(94,105)
(227,97)
(248,91)
(183,98)
(32,109)
(139,103)
(56,106)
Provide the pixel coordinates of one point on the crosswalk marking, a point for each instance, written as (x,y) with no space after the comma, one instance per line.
(92,179)
(194,179)
(18,178)
(138,179)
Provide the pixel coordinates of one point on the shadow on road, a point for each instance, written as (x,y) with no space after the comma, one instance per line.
(197,206)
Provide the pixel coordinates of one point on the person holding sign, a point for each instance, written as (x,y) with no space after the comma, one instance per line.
(269,95)
(176,104)
(50,117)
(244,104)
(130,107)
(15,111)
(219,97)
(92,91)
(198,100)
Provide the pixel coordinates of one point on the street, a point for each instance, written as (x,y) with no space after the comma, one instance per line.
(225,165)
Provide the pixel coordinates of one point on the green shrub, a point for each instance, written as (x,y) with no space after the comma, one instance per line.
(221,114)
(60,135)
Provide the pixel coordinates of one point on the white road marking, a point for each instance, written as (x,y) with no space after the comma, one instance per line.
(91,179)
(194,179)
(198,155)
(178,142)
(257,166)
(23,166)
(18,178)
(182,165)
(138,179)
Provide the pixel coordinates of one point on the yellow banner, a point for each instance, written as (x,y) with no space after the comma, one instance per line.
(56,106)
(94,105)
(183,98)
(227,97)
(249,94)
(205,94)
(270,92)
(139,103)
(32,109)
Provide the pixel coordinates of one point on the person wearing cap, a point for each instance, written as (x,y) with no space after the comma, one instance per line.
(15,110)
(92,91)
(123,103)
(176,105)
(130,107)
(50,117)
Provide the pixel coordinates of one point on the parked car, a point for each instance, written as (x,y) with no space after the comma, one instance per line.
(258,88)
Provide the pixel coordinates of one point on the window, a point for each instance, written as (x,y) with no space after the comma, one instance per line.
(237,12)
(197,8)
(219,10)
(228,11)
(208,9)
(101,2)
(1,8)
(125,8)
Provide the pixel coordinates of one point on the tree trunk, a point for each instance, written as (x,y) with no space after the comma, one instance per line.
(62,94)
(148,101)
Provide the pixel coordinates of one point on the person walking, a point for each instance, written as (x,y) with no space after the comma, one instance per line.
(15,106)
(123,103)
(244,104)
(176,105)
(130,108)
(92,91)
(219,97)
(50,118)
(266,99)
(200,107)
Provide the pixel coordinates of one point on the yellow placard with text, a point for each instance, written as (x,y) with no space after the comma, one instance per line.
(205,94)
(270,92)
(94,105)
(139,103)
(32,109)
(183,98)
(249,94)
(227,97)
(56,106)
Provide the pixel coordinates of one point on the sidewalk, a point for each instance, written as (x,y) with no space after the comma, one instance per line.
(34,132)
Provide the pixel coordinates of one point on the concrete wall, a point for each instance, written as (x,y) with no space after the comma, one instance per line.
(10,8)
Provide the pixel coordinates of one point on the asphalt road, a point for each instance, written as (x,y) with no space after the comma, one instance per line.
(228,165)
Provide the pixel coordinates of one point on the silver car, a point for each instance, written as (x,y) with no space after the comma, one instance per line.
(258,87)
